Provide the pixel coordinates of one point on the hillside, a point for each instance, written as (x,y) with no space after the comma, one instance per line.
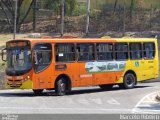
(105,16)
(97,4)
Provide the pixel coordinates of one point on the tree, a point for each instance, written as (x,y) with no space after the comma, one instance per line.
(115,5)
(70,6)
(131,9)
(8,9)
(55,5)
(124,17)
(88,16)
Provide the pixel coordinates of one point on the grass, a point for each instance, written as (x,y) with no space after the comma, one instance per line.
(2,66)
(2,69)
(5,37)
(144,3)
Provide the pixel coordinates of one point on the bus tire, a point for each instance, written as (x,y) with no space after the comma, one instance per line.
(129,81)
(61,87)
(106,87)
(38,92)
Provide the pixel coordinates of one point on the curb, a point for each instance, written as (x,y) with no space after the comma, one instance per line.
(151,81)
(2,87)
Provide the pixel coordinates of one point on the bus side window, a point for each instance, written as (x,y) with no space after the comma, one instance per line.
(104,51)
(135,51)
(148,50)
(65,52)
(121,50)
(86,51)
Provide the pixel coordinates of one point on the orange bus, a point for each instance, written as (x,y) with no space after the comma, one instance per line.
(61,64)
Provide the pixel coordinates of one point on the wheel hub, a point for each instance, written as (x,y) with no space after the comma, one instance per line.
(62,86)
(129,80)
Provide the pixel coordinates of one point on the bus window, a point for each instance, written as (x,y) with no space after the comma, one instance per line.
(85,51)
(121,50)
(65,52)
(42,56)
(135,51)
(104,51)
(148,50)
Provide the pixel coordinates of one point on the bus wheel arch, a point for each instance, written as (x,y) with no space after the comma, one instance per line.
(131,71)
(130,74)
(63,78)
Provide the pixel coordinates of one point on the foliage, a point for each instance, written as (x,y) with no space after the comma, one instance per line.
(55,5)
(23,9)
(70,6)
(2,66)
(80,10)
(97,4)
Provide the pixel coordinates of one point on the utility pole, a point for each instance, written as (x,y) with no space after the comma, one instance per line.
(150,16)
(62,17)
(88,14)
(34,14)
(131,10)
(124,18)
(15,20)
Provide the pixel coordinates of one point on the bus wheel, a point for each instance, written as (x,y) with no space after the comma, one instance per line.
(38,92)
(129,81)
(60,87)
(106,87)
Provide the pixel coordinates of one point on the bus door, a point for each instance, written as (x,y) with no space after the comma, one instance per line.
(149,54)
(42,66)
(137,63)
(85,54)
(65,57)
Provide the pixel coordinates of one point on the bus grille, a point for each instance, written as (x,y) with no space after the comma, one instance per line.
(14,83)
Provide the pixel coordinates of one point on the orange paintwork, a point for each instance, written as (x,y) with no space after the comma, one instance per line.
(75,70)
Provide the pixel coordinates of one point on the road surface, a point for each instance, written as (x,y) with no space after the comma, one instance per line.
(90,100)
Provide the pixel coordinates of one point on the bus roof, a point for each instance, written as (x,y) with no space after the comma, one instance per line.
(87,40)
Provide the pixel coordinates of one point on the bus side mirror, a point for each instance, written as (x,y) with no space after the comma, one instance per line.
(4,54)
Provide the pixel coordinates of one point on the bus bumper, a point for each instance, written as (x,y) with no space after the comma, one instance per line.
(19,84)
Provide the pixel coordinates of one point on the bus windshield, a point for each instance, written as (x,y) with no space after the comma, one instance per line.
(18,58)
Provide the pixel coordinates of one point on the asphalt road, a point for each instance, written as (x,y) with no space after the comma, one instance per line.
(89,100)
